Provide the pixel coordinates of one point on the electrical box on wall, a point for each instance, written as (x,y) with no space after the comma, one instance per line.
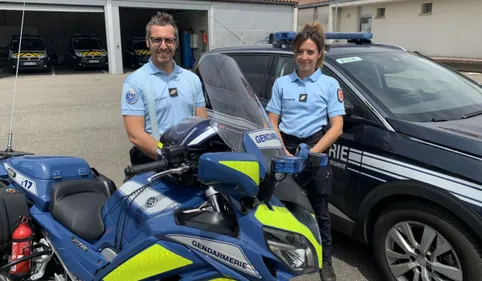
(194,41)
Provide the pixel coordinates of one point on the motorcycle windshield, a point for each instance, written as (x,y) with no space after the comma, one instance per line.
(235,107)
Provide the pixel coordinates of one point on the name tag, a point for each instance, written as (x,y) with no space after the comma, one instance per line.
(173,92)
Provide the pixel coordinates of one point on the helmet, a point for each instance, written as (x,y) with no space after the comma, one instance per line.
(189,132)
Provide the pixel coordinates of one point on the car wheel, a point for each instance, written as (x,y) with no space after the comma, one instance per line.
(417,241)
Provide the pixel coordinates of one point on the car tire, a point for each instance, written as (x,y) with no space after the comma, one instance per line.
(463,254)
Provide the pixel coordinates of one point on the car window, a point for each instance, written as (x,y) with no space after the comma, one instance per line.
(285,66)
(255,68)
(359,108)
(411,87)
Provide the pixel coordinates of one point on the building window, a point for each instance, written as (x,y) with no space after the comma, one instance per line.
(426,9)
(380,13)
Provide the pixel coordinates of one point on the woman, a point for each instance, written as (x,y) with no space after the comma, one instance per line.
(304,101)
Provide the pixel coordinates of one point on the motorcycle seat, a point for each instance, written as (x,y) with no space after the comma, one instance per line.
(77,205)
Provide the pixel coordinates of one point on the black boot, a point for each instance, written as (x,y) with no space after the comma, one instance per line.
(327,273)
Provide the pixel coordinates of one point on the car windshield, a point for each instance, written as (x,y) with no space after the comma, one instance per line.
(235,107)
(87,44)
(411,87)
(28,44)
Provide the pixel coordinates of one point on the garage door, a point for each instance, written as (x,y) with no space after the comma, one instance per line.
(51,8)
(60,30)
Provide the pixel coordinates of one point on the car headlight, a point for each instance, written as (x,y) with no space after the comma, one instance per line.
(44,55)
(293,249)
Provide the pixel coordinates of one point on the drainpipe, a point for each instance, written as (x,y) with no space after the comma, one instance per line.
(295,18)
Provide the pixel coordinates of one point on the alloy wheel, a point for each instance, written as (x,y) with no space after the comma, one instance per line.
(416,252)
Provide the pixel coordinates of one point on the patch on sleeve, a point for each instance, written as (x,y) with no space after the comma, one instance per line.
(131,97)
(340,94)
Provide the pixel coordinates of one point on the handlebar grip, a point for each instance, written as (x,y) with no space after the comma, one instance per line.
(137,169)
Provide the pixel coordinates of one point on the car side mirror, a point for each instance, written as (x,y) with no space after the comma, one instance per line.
(348,108)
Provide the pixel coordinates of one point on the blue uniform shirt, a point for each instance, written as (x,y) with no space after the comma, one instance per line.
(174,95)
(305,105)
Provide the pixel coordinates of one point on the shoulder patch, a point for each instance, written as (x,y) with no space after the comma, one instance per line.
(131,96)
(340,94)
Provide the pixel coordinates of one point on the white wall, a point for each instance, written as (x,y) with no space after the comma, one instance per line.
(349,19)
(452,30)
(320,14)
(251,22)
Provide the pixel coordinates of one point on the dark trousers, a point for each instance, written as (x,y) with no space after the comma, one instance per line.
(138,157)
(318,182)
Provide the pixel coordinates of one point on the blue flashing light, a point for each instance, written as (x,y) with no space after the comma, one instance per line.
(286,36)
(287,164)
(349,35)
(280,38)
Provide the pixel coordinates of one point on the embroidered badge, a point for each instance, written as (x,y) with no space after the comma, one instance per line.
(173,92)
(131,97)
(340,94)
(303,98)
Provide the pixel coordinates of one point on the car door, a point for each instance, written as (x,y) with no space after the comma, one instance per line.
(256,68)
(345,158)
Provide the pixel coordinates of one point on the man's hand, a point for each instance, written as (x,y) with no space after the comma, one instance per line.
(138,137)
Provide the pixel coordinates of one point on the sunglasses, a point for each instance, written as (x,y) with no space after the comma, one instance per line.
(158,41)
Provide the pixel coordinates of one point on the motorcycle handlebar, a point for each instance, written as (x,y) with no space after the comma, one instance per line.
(137,169)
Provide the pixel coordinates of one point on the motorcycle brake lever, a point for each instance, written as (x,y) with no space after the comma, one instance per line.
(177,171)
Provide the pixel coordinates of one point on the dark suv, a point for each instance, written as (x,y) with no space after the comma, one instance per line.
(408,167)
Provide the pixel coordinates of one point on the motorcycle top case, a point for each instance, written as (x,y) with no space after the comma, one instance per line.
(37,174)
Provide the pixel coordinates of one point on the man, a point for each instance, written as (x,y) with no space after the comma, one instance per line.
(160,93)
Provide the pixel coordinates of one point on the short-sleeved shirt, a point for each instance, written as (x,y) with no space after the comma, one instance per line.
(305,105)
(174,95)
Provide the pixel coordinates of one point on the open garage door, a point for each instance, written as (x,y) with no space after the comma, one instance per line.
(193,30)
(49,36)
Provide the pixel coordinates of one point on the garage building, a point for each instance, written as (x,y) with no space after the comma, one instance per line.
(446,30)
(203,25)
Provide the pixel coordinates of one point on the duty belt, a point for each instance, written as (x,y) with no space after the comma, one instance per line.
(290,140)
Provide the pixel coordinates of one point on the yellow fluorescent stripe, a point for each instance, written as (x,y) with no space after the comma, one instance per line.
(281,218)
(249,168)
(152,261)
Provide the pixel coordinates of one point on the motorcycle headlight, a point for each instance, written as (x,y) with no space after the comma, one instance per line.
(293,249)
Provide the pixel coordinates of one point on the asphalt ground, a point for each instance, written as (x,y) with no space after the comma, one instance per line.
(78,114)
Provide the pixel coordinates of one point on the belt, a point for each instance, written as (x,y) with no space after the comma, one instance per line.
(290,140)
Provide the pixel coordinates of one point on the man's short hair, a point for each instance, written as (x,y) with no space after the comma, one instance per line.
(162,19)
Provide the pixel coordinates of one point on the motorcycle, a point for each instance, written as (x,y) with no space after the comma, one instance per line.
(220,203)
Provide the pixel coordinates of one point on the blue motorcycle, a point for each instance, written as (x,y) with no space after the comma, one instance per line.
(221,203)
